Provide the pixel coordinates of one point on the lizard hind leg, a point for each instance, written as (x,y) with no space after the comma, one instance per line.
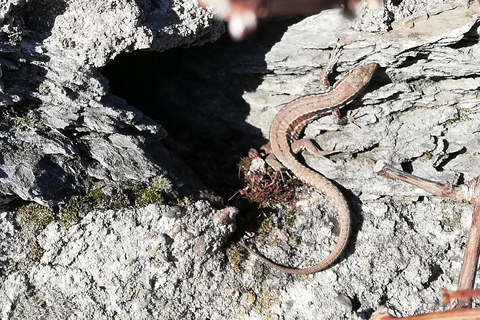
(271,160)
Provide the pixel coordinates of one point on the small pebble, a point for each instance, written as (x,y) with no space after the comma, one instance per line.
(226,216)
(139,304)
(200,247)
(289,304)
(174,212)
(344,301)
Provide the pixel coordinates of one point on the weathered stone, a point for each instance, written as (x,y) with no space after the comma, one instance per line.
(420,112)
(61,107)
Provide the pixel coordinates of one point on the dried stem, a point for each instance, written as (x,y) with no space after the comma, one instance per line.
(456,314)
(460,193)
(448,296)
(469,192)
(472,251)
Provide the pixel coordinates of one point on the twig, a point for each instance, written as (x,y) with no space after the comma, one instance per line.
(469,192)
(448,296)
(462,314)
(472,251)
(460,193)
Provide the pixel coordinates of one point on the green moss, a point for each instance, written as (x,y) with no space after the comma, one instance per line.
(163,184)
(251,297)
(293,239)
(97,196)
(125,194)
(273,242)
(304,277)
(426,156)
(68,218)
(26,122)
(185,201)
(69,213)
(158,192)
(461,116)
(36,252)
(235,258)
(266,227)
(43,90)
(464,114)
(6,267)
(291,217)
(33,217)
(264,301)
(149,195)
(77,206)
(453,221)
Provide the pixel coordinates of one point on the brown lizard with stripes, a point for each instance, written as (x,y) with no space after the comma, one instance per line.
(285,131)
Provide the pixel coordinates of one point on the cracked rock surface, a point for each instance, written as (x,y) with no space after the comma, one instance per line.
(56,105)
(65,132)
(132,259)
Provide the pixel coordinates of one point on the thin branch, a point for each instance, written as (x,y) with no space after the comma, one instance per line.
(469,192)
(456,314)
(448,296)
(472,251)
(460,193)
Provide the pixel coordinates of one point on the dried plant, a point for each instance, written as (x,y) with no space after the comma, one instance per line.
(468,192)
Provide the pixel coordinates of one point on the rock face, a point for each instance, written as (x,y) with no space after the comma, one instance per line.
(63,133)
(60,126)
(133,258)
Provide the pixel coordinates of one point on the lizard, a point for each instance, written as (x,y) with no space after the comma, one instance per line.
(286,128)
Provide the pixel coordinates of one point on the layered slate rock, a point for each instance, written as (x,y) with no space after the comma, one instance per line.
(62,131)
(60,126)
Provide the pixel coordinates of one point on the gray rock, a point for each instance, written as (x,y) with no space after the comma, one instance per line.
(83,268)
(55,103)
(344,301)
(149,262)
(420,111)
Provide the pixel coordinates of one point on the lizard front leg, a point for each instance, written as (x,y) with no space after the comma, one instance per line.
(326,87)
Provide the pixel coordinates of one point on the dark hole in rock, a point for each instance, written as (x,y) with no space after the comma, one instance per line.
(196,94)
(52,181)
(197,102)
